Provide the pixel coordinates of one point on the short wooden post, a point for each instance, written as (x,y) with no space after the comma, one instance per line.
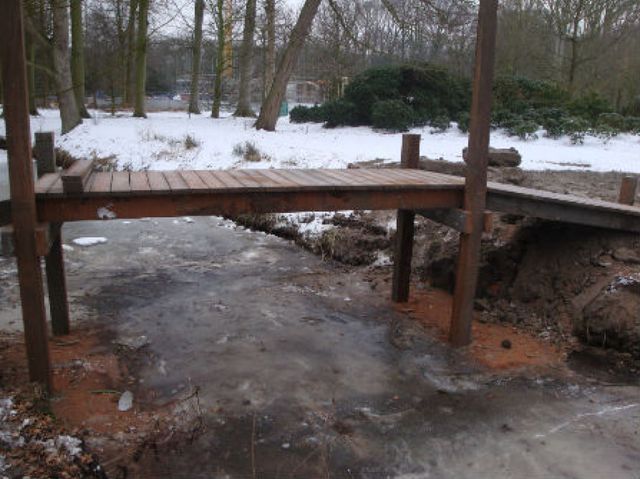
(54,261)
(45,153)
(23,204)
(628,190)
(476,181)
(405,228)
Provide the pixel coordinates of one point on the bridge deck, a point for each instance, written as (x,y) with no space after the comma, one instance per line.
(171,193)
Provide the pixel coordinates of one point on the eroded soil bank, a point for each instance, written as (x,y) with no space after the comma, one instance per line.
(249,357)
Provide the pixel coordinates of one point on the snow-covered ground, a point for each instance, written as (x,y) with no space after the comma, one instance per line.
(173,140)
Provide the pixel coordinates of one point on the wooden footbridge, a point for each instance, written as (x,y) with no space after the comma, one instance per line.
(37,210)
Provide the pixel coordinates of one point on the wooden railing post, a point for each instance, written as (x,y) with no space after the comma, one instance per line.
(628,190)
(54,262)
(23,204)
(475,196)
(405,228)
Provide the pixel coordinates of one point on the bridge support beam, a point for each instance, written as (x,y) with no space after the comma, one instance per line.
(23,204)
(54,261)
(476,182)
(405,228)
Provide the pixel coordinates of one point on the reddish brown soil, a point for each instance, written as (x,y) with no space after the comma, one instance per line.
(433,309)
(88,380)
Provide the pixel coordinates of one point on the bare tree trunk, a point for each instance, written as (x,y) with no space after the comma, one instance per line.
(194,99)
(77,56)
(270,61)
(130,78)
(271,106)
(69,112)
(246,53)
(31,74)
(220,66)
(141,60)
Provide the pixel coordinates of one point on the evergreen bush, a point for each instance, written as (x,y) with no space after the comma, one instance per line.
(391,115)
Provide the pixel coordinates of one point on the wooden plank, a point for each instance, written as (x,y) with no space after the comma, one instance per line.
(101,183)
(212,181)
(157,182)
(63,209)
(303,179)
(75,178)
(16,113)
(329,178)
(45,182)
(265,181)
(459,220)
(476,176)
(566,213)
(56,188)
(176,182)
(193,181)
(139,182)
(400,287)
(283,177)
(121,183)
(228,180)
(247,180)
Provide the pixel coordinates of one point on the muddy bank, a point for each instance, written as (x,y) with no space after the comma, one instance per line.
(560,281)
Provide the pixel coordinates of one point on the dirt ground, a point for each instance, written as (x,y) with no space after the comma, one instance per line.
(247,356)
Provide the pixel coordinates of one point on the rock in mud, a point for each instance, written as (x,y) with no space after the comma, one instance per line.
(613,318)
(626,255)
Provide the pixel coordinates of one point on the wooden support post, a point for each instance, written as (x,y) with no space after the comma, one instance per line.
(23,204)
(54,261)
(45,153)
(405,228)
(476,181)
(628,190)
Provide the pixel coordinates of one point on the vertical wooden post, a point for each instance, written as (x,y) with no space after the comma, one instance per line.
(23,204)
(628,190)
(405,228)
(476,181)
(54,261)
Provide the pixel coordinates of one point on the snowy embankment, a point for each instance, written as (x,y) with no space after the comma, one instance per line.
(176,141)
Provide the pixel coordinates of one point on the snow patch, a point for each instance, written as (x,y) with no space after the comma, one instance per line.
(90,241)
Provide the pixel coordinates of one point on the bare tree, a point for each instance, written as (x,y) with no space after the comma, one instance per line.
(141,59)
(130,65)
(77,56)
(69,113)
(270,54)
(246,52)
(271,106)
(220,59)
(194,99)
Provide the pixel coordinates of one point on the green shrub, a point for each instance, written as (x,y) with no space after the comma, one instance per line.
(523,129)
(551,119)
(440,124)
(590,107)
(340,113)
(519,94)
(305,114)
(632,124)
(613,121)
(463,122)
(392,115)
(576,128)
(429,91)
